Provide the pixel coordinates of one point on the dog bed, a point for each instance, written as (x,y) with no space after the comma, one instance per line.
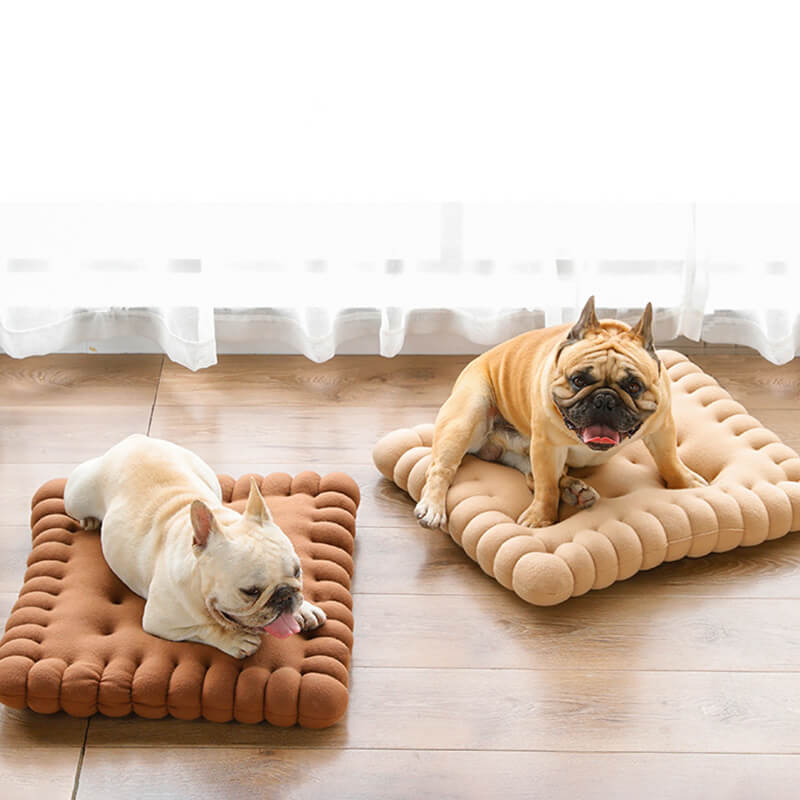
(74,639)
(638,523)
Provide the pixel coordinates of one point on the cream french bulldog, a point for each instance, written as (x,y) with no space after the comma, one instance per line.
(208,573)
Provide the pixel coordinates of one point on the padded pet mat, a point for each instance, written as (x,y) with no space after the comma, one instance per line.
(74,639)
(638,523)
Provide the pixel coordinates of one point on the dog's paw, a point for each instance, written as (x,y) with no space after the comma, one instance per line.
(431,515)
(535,517)
(90,524)
(696,481)
(574,492)
(310,617)
(689,480)
(243,645)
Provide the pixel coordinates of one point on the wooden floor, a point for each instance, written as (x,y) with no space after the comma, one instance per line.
(681,682)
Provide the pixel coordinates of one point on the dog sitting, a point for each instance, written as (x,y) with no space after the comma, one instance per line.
(567,396)
(208,573)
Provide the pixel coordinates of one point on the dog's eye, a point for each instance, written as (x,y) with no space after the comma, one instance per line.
(253,591)
(579,381)
(633,388)
(297,572)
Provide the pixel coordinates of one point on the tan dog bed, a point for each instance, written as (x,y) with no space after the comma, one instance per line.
(637,524)
(74,639)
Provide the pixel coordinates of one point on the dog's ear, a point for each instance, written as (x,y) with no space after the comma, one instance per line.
(203,523)
(587,321)
(643,330)
(256,507)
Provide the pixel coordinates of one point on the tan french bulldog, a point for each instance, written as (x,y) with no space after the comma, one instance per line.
(556,398)
(208,573)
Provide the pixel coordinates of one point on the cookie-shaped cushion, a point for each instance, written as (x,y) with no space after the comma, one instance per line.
(74,640)
(638,523)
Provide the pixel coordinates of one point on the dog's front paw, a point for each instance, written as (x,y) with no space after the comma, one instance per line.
(243,645)
(431,515)
(696,481)
(90,524)
(574,492)
(535,516)
(689,480)
(309,616)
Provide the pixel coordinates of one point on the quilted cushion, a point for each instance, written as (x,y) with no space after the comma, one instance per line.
(74,639)
(638,523)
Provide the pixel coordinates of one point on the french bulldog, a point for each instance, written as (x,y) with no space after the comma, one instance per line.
(565,396)
(208,573)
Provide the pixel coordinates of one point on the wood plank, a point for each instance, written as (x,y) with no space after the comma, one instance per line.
(770,569)
(753,381)
(25,729)
(7,600)
(784,421)
(15,547)
(19,482)
(294,433)
(405,558)
(345,380)
(39,753)
(76,380)
(41,434)
(418,380)
(616,633)
(142,773)
(484,709)
(410,559)
(44,772)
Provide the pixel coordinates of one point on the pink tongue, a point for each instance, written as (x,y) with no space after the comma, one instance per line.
(283,627)
(600,434)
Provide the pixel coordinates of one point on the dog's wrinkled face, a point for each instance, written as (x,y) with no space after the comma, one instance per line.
(606,379)
(249,572)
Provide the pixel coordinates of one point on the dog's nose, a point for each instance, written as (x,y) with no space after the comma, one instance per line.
(281,596)
(605,398)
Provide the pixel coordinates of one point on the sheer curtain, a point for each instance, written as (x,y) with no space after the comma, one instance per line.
(321,279)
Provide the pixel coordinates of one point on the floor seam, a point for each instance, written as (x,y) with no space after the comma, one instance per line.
(155,394)
(79,766)
(417,749)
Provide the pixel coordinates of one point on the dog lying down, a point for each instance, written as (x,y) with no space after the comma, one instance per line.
(208,574)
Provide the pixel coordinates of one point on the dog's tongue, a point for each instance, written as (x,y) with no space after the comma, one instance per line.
(600,434)
(284,626)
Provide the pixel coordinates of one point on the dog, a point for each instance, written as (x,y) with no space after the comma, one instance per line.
(555,398)
(208,573)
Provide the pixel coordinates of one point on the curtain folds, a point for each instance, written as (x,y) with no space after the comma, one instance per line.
(322,279)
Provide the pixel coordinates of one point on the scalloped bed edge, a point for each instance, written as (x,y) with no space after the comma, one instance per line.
(179,679)
(547,566)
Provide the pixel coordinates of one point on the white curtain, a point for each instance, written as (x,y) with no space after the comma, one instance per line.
(319,279)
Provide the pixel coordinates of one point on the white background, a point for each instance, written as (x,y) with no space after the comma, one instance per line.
(253,101)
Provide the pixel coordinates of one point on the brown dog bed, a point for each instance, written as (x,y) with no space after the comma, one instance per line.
(74,639)
(638,523)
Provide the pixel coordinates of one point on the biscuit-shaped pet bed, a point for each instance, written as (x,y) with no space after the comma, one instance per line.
(638,523)
(74,640)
